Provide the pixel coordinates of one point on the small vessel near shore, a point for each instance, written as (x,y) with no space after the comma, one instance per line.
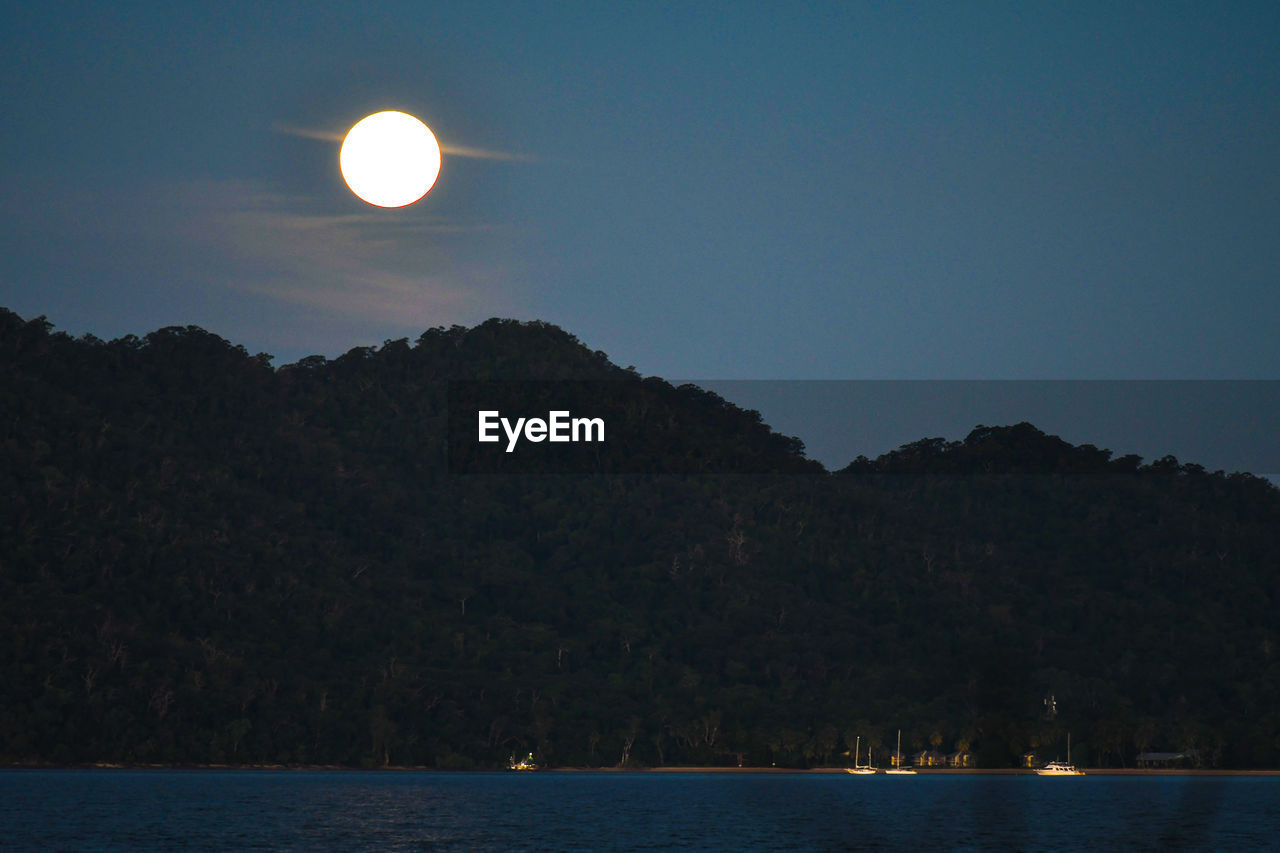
(523,764)
(1060,768)
(860,769)
(897,769)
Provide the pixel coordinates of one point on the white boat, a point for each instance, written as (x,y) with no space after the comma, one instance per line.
(1058,768)
(1061,768)
(860,769)
(898,769)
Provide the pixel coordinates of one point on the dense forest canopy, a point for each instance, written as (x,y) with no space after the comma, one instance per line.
(205,559)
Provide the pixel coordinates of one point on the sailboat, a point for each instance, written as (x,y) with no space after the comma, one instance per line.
(857,768)
(1061,768)
(898,769)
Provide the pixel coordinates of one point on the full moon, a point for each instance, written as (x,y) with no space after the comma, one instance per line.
(390,159)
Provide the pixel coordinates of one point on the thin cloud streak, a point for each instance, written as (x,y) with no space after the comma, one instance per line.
(467,151)
(343,265)
(485,154)
(395,272)
(308,133)
(382,297)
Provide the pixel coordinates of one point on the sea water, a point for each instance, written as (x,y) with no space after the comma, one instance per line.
(89,810)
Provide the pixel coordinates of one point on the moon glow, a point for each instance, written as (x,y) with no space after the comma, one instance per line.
(390,159)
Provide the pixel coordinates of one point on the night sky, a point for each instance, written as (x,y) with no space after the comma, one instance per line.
(732,191)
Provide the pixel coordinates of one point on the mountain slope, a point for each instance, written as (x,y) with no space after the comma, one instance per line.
(205,559)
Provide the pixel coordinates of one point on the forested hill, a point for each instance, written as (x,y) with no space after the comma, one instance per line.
(205,559)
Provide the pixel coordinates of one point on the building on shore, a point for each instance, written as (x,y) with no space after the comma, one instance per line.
(1156,760)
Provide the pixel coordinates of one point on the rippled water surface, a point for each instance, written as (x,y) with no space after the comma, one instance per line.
(315,810)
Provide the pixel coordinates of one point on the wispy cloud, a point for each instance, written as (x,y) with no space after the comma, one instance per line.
(484,154)
(291,273)
(448,149)
(308,132)
(399,271)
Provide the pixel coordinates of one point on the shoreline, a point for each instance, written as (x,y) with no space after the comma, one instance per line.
(936,771)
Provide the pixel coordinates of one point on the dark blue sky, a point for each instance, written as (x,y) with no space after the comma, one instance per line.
(740,191)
